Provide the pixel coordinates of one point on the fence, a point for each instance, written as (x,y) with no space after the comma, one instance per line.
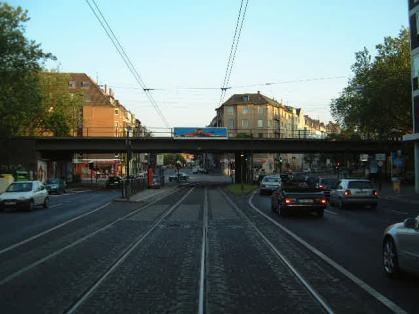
(133,186)
(269,133)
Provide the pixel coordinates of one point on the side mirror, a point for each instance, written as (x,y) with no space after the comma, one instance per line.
(410,223)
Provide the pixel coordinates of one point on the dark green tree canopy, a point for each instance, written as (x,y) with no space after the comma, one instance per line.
(20,62)
(377,101)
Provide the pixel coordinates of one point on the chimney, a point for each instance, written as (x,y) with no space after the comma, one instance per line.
(106,89)
(258,91)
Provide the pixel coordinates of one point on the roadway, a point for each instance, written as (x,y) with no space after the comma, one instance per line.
(194,249)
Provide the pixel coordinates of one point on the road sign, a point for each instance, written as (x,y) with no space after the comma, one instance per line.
(363,157)
(380,157)
(160,160)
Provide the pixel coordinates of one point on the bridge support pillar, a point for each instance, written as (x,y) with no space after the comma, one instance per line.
(241,161)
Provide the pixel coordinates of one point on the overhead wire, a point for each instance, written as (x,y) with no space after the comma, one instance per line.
(121,51)
(233,49)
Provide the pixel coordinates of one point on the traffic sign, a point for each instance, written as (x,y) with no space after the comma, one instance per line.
(380,157)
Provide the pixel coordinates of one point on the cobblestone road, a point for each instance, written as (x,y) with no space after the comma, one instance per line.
(146,258)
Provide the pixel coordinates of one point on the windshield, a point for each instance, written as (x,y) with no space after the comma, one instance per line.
(270,180)
(20,187)
(360,185)
(53,181)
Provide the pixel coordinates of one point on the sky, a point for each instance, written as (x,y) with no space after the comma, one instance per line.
(185,44)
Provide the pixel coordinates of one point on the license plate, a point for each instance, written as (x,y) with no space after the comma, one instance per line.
(306,201)
(9,203)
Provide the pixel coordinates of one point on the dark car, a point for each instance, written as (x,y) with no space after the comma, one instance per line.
(114,182)
(326,184)
(300,177)
(182,177)
(56,185)
(295,197)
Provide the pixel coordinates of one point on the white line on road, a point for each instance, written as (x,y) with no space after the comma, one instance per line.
(72,244)
(131,248)
(310,289)
(377,295)
(331,212)
(396,211)
(55,205)
(51,229)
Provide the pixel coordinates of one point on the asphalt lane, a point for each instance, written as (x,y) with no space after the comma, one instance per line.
(16,225)
(353,238)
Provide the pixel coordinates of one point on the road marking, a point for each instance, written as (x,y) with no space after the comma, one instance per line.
(202,280)
(377,295)
(396,211)
(56,205)
(310,289)
(72,244)
(131,248)
(51,229)
(331,212)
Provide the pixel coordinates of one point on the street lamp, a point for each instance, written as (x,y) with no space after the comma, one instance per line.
(129,147)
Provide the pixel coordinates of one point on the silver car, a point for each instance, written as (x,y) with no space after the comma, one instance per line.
(270,184)
(401,247)
(354,192)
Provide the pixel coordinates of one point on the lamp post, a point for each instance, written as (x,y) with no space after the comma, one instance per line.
(129,147)
(241,173)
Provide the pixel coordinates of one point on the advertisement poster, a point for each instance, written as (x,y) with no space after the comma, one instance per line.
(42,172)
(201,133)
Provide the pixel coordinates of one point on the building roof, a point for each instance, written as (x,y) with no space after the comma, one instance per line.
(255,99)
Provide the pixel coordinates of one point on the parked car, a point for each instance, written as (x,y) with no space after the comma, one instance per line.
(285,177)
(324,184)
(294,197)
(156,184)
(269,184)
(24,195)
(182,177)
(354,192)
(198,170)
(113,182)
(56,185)
(401,247)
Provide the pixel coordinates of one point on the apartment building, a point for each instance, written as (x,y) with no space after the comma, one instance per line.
(104,116)
(256,115)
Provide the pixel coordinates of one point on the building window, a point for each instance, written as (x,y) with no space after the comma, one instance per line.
(230,109)
(72,84)
(245,123)
(116,111)
(246,110)
(415,71)
(260,123)
(270,123)
(84,84)
(246,98)
(231,123)
(261,110)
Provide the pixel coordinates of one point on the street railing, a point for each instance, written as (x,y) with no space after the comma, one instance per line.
(133,186)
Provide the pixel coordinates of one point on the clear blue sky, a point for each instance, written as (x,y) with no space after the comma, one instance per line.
(185,43)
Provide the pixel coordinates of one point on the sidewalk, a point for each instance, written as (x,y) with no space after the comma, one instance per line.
(407,194)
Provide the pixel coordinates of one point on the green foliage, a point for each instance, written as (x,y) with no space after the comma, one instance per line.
(60,108)
(376,103)
(237,188)
(20,59)
(170,159)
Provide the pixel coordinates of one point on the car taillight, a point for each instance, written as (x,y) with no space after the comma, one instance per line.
(289,201)
(347,193)
(321,186)
(323,201)
(375,193)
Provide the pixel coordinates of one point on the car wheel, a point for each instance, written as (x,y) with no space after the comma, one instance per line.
(46,202)
(390,260)
(31,205)
(283,212)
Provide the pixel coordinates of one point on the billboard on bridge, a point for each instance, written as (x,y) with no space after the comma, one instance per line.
(201,133)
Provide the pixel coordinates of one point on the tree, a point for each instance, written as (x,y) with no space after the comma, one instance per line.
(60,109)
(20,63)
(376,103)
